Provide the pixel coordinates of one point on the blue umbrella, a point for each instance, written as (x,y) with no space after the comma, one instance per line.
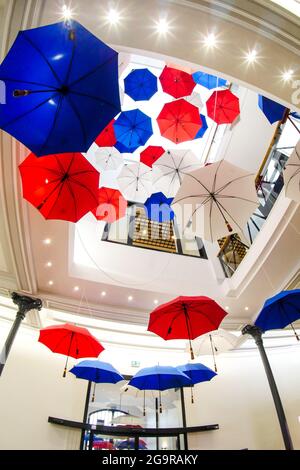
(208,81)
(133,128)
(159,378)
(61,88)
(295,115)
(123,149)
(140,84)
(203,129)
(279,311)
(97,372)
(130,444)
(273,111)
(158,208)
(197,373)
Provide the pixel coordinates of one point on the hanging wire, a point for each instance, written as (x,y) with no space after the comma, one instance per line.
(213,352)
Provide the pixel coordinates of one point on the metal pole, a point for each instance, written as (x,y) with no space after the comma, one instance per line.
(85,413)
(185,438)
(25,304)
(256,334)
(157,422)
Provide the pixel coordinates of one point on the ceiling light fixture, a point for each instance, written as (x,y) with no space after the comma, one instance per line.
(49,264)
(66,13)
(226,308)
(50,283)
(47,241)
(162,26)
(287,75)
(76,288)
(103,293)
(251,56)
(155,301)
(210,40)
(130,298)
(246,308)
(113,17)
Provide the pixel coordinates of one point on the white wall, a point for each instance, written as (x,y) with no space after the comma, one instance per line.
(238,399)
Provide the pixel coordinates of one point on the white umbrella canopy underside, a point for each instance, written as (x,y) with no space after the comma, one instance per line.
(135,182)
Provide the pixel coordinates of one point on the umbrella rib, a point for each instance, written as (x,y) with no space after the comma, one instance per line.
(215,177)
(230,182)
(238,225)
(86,188)
(70,63)
(77,114)
(51,170)
(4,79)
(61,340)
(210,218)
(73,198)
(94,70)
(34,46)
(96,98)
(198,181)
(224,196)
(58,108)
(293,176)
(57,198)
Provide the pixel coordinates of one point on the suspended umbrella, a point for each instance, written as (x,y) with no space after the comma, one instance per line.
(218,199)
(176,83)
(148,397)
(215,342)
(208,81)
(61,87)
(128,419)
(71,341)
(62,187)
(170,169)
(186,318)
(97,372)
(130,444)
(123,149)
(279,311)
(108,158)
(158,208)
(197,373)
(111,205)
(291,175)
(107,137)
(194,99)
(151,154)
(133,128)
(273,111)
(179,121)
(140,84)
(103,445)
(159,378)
(203,129)
(223,107)
(135,182)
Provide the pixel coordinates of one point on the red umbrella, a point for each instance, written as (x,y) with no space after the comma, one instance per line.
(70,340)
(103,445)
(223,107)
(176,82)
(107,137)
(111,205)
(151,154)
(179,121)
(186,318)
(62,186)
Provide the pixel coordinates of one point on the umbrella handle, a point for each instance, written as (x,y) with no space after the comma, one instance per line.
(192,395)
(295,332)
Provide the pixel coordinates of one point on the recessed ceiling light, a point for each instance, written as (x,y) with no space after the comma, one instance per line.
(47,241)
(251,56)
(162,26)
(130,298)
(246,308)
(155,301)
(66,12)
(103,293)
(226,308)
(287,75)
(76,288)
(50,283)
(144,232)
(210,40)
(49,264)
(113,17)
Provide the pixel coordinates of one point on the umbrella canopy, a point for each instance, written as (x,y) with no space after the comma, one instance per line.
(62,88)
(194,99)
(279,311)
(223,107)
(197,372)
(151,154)
(176,83)
(111,205)
(133,128)
(291,175)
(203,129)
(128,419)
(170,169)
(123,149)
(70,340)
(130,444)
(135,182)
(61,187)
(158,208)
(159,378)
(108,158)
(179,121)
(107,137)
(208,81)
(140,84)
(218,199)
(165,398)
(103,445)
(273,111)
(97,371)
(186,318)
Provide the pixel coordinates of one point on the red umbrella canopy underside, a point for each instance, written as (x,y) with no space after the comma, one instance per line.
(62,186)
(70,340)
(223,107)
(151,154)
(107,137)
(176,83)
(169,320)
(179,121)
(111,205)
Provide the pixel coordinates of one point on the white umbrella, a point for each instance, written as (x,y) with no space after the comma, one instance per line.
(218,200)
(291,175)
(127,419)
(195,99)
(215,342)
(108,158)
(135,182)
(165,397)
(170,168)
